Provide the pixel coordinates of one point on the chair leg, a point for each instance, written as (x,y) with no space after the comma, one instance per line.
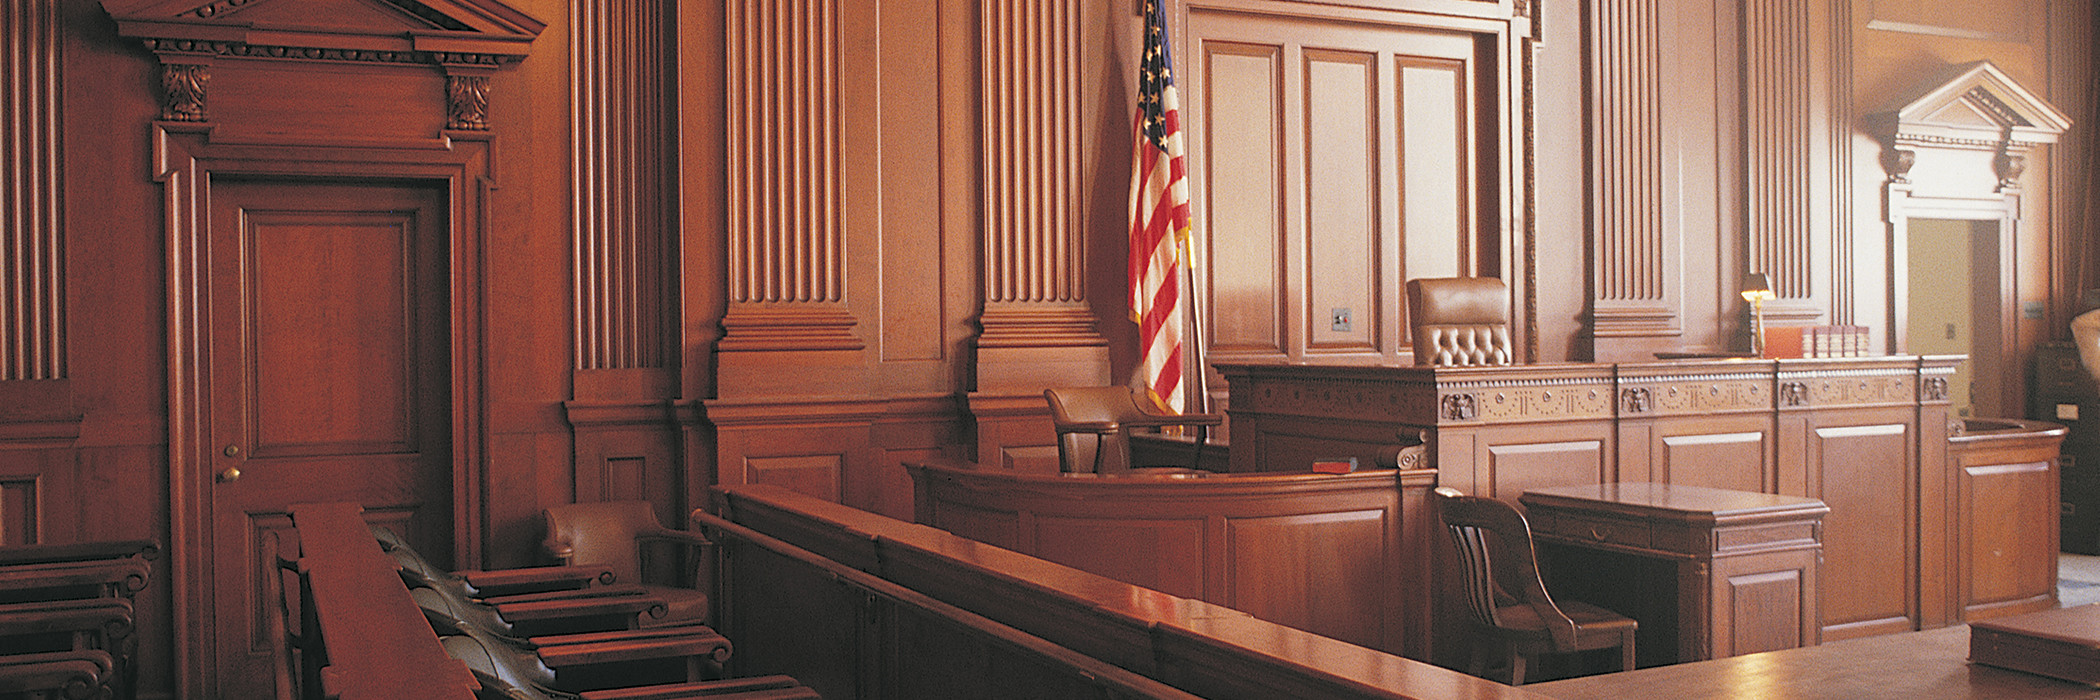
(1626,652)
(1516,667)
(1476,660)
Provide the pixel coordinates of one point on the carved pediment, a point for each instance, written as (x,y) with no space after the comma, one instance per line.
(467,39)
(1973,104)
(447,32)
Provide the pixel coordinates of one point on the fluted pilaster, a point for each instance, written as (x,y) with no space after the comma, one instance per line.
(624,226)
(32,280)
(1631,227)
(1034,233)
(786,247)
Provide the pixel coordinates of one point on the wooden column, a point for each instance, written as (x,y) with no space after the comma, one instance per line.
(626,444)
(1037,326)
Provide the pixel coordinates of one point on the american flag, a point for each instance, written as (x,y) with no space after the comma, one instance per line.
(1159,219)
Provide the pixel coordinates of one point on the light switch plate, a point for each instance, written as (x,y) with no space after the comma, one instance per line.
(1341,323)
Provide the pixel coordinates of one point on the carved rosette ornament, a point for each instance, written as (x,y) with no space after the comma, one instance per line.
(467,102)
(182,91)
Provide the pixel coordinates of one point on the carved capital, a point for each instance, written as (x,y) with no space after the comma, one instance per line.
(2009,167)
(467,102)
(182,91)
(1898,162)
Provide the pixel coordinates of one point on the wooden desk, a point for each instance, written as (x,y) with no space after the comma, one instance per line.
(1714,572)
(1866,436)
(1931,664)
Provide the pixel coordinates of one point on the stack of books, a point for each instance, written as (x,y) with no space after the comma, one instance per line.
(1842,340)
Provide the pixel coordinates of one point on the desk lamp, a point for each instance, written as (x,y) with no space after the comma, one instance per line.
(1757,289)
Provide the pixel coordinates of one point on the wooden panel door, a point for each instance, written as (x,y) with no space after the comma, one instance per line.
(330,381)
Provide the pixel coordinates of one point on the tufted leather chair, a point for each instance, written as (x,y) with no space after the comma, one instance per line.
(1459,321)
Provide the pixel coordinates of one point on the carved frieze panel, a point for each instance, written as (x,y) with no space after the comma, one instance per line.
(1847,388)
(1337,399)
(1513,404)
(1699,394)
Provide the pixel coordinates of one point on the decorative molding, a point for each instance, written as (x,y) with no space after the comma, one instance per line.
(1628,152)
(1017,325)
(1934,389)
(32,240)
(808,327)
(625,231)
(1779,144)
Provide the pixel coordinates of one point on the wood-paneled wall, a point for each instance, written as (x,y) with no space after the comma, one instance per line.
(804,241)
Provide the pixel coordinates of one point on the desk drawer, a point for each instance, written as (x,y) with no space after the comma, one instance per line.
(1626,533)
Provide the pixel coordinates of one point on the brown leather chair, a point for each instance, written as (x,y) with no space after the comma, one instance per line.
(1108,414)
(619,535)
(1507,600)
(1459,321)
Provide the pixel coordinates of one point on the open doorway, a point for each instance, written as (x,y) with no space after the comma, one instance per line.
(1955,307)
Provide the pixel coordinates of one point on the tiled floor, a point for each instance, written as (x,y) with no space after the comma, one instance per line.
(2078,579)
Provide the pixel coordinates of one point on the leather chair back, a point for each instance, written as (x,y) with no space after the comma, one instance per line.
(1459,321)
(604,534)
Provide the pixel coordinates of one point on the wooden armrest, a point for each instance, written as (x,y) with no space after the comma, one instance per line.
(108,616)
(567,608)
(128,576)
(534,579)
(73,674)
(617,590)
(78,551)
(559,651)
(758,688)
(1156,421)
(685,537)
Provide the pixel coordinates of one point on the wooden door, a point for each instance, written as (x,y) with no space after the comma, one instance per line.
(330,381)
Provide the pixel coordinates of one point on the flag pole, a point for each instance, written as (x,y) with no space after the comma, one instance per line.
(1197,345)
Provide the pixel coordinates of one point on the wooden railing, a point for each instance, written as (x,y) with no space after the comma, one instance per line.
(378,645)
(1195,647)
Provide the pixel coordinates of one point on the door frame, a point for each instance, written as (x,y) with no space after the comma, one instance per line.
(185,159)
(2004,209)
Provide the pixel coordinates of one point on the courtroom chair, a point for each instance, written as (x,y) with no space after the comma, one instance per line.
(1506,598)
(626,538)
(1459,321)
(1108,415)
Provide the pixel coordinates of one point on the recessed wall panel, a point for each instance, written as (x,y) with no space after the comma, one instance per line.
(1244,156)
(1341,196)
(1433,166)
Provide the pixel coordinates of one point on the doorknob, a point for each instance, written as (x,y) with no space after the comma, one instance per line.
(230,475)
